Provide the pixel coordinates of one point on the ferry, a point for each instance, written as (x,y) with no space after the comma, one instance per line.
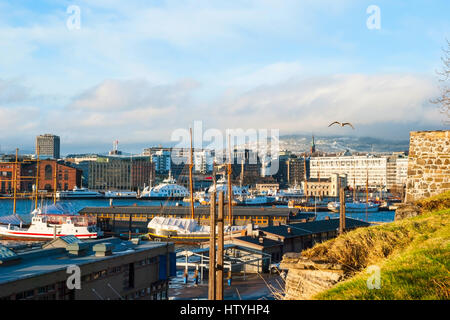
(47,225)
(167,190)
(78,193)
(353,207)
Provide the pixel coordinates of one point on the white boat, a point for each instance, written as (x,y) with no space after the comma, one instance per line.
(168,189)
(290,193)
(78,193)
(183,230)
(222,185)
(353,207)
(120,194)
(254,200)
(50,223)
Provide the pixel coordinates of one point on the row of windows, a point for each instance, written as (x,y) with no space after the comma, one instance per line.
(162,295)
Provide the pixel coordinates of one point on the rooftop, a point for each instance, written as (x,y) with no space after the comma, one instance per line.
(256,241)
(241,211)
(43,261)
(318,226)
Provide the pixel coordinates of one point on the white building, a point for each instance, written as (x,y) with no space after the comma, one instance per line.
(357,168)
(397,170)
(203,161)
(162,161)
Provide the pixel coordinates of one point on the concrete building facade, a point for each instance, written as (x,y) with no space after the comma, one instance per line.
(49,146)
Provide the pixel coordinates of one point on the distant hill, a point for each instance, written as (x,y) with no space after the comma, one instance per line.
(302,143)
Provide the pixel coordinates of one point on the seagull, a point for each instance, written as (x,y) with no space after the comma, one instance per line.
(342,124)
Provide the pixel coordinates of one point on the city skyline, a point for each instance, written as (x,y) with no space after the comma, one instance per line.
(135,72)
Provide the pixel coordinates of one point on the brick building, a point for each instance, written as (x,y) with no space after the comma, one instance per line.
(66,177)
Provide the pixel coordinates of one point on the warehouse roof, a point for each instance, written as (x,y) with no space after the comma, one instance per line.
(181,211)
(318,226)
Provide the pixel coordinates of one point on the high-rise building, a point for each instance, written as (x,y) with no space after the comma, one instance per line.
(49,146)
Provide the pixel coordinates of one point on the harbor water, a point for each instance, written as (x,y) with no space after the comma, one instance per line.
(25,207)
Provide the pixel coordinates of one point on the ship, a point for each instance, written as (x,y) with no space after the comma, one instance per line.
(354,207)
(167,190)
(51,222)
(78,193)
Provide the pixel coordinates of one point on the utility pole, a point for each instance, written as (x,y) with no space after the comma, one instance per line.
(220,241)
(212,249)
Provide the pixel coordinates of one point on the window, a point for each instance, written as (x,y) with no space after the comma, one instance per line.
(48,172)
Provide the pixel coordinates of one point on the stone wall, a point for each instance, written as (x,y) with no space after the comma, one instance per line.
(306,278)
(428,165)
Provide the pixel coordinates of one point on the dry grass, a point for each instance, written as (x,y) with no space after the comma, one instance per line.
(359,248)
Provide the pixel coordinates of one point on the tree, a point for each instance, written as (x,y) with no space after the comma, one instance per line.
(444,100)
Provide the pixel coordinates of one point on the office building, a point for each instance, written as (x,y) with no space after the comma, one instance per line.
(48,145)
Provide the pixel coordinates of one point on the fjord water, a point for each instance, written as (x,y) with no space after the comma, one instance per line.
(24,207)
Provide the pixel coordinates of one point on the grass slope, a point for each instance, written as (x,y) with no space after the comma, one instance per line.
(413,256)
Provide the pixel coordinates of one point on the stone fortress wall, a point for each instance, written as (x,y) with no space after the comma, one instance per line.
(428,164)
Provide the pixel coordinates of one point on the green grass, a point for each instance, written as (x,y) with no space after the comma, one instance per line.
(413,256)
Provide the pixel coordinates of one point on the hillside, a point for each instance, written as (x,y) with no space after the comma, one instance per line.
(413,257)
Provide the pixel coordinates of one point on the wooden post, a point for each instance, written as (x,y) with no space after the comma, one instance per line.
(220,238)
(341,210)
(212,249)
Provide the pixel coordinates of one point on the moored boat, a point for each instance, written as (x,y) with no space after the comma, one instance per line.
(167,190)
(183,230)
(52,222)
(78,193)
(120,194)
(353,207)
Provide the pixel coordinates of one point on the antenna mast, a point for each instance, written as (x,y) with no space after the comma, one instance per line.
(191,164)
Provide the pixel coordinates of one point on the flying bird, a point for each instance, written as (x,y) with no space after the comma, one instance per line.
(342,124)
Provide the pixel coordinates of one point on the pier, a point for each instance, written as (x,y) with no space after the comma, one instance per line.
(134,219)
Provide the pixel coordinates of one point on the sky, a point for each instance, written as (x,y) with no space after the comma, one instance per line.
(135,71)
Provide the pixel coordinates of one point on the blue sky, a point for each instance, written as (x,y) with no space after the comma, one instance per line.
(138,70)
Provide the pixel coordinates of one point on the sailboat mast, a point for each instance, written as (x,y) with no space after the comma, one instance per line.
(367,186)
(191,187)
(306,179)
(242,173)
(230,196)
(15,182)
(55,185)
(37,179)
